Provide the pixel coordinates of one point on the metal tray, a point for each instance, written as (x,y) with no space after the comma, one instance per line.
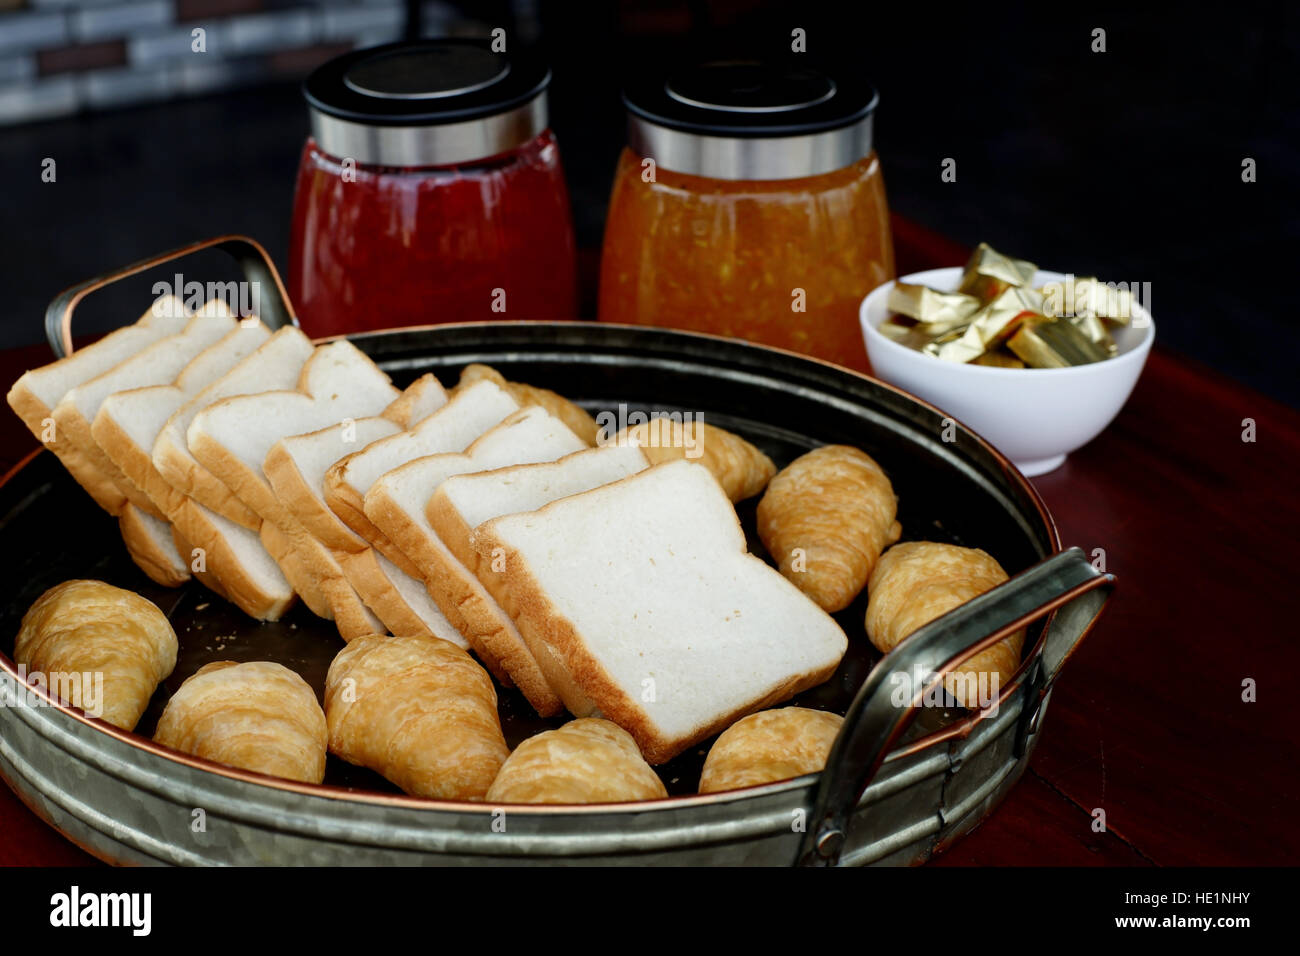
(933,773)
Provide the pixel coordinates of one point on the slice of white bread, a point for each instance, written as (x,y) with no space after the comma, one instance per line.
(466,416)
(128,423)
(37,392)
(197,569)
(247,573)
(127,426)
(400,601)
(396,504)
(463,502)
(276,364)
(151,545)
(158,364)
(418,401)
(645,590)
(296,467)
(231,439)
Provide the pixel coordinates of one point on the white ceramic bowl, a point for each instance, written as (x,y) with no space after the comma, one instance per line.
(1034,416)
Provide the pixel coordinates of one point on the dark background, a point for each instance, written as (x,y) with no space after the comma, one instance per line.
(1126,164)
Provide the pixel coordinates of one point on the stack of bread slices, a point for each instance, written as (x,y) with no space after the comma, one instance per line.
(272,469)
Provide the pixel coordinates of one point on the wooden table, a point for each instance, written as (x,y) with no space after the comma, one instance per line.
(1147,720)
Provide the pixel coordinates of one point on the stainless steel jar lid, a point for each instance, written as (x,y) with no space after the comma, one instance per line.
(751,119)
(427,102)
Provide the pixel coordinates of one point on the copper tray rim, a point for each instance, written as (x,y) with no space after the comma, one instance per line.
(960,728)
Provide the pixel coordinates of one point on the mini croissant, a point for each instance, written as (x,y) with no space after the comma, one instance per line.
(418,710)
(258,715)
(769,746)
(741,469)
(916,582)
(825,518)
(588,760)
(81,629)
(577,420)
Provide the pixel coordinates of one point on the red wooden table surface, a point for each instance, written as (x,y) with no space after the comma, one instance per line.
(1148,721)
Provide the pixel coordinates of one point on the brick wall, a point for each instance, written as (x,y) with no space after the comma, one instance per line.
(59,57)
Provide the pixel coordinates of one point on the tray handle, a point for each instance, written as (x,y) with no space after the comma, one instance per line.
(1066,583)
(273,302)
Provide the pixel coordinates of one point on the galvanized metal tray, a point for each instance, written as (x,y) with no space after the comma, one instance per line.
(903,782)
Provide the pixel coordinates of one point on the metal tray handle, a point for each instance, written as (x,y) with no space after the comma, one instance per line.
(273,303)
(1066,583)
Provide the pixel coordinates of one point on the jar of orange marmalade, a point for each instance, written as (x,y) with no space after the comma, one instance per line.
(749,203)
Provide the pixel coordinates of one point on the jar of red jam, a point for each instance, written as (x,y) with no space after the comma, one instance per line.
(430,191)
(749,203)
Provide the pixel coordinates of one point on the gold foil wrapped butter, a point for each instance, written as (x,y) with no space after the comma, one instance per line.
(989,272)
(937,311)
(999,359)
(908,333)
(997,319)
(1095,329)
(1054,343)
(958,345)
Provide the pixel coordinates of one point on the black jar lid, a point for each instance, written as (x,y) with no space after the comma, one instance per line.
(427,102)
(755,119)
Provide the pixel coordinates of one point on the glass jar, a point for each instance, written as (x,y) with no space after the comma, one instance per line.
(430,191)
(749,203)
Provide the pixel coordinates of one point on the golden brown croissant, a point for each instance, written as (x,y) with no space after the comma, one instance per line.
(826,518)
(258,715)
(418,710)
(577,420)
(80,630)
(588,760)
(916,582)
(741,469)
(769,746)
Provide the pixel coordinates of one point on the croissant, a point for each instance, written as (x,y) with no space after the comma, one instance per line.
(741,469)
(916,582)
(768,746)
(79,630)
(418,710)
(825,518)
(258,715)
(577,420)
(588,760)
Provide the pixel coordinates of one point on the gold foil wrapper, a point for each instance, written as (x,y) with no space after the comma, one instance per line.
(998,359)
(957,345)
(937,311)
(989,273)
(1054,343)
(1087,296)
(996,319)
(905,332)
(1095,329)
